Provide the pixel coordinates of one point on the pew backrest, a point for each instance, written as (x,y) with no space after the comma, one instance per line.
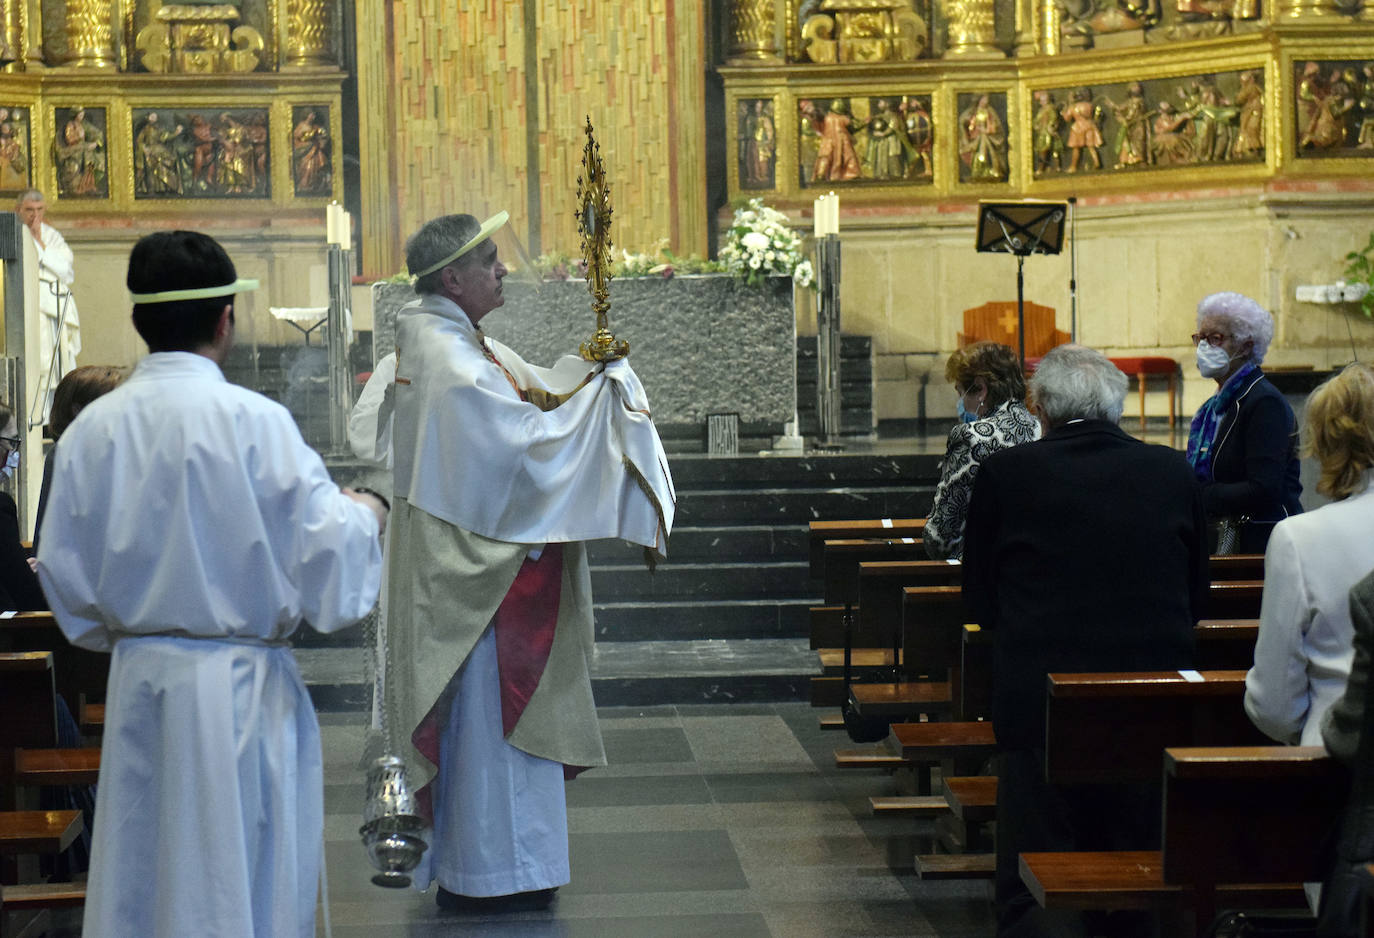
(821,531)
(842,559)
(1114,727)
(1253,814)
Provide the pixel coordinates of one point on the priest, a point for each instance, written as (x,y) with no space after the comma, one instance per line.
(190,530)
(502,471)
(59,326)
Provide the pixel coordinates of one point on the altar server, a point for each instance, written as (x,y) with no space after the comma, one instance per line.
(502,470)
(190,530)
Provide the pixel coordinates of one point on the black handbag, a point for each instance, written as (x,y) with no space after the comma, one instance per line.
(861,729)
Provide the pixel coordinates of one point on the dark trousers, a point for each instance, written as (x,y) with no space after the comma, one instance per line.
(1034,816)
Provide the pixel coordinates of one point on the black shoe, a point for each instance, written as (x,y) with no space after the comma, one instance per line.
(534,901)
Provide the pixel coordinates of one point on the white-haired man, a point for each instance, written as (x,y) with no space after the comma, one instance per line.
(1084,551)
(502,469)
(59,326)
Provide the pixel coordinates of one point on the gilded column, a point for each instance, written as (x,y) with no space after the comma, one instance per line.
(790,31)
(307,34)
(1027,29)
(753,33)
(90,33)
(1049,27)
(11,30)
(972,30)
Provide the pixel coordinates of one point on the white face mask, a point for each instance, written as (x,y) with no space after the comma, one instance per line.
(1212,360)
(11,464)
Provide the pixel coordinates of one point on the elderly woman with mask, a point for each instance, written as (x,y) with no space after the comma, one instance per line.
(1243,442)
(991,395)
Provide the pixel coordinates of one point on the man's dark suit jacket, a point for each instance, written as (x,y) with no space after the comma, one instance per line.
(1084,551)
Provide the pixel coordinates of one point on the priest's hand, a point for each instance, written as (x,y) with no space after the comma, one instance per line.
(378,505)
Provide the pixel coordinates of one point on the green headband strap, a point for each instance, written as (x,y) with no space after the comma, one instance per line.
(489,226)
(197,293)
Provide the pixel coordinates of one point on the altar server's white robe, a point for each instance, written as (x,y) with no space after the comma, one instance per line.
(191,529)
(481,477)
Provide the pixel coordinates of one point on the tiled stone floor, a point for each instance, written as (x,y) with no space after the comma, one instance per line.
(716,820)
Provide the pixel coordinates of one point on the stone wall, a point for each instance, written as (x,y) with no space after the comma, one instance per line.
(1143,264)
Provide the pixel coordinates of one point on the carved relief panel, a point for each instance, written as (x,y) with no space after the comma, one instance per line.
(312,148)
(201,153)
(983,137)
(79,152)
(1333,105)
(884,139)
(16,150)
(757,132)
(1128,126)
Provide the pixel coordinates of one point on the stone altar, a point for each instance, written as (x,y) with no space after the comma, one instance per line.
(701,344)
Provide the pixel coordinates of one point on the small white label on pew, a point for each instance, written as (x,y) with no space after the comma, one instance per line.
(8,615)
(908,540)
(1192,677)
(887,522)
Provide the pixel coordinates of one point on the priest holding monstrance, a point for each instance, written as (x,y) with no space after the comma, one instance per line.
(502,471)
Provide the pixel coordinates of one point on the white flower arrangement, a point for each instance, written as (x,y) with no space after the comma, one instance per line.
(761,244)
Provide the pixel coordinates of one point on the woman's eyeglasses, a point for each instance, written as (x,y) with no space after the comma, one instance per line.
(1213,338)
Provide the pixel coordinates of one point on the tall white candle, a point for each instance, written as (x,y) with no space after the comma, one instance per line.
(817,206)
(834,214)
(345,230)
(331,223)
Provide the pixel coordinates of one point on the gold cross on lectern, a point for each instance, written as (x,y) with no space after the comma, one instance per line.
(1008,322)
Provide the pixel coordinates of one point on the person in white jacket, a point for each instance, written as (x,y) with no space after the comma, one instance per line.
(1303,654)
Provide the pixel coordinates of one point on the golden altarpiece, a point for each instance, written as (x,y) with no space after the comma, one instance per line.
(1043,97)
(1208,144)
(133,115)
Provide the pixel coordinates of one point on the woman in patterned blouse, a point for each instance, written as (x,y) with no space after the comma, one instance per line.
(991,393)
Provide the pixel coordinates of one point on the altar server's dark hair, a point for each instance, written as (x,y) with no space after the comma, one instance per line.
(178,260)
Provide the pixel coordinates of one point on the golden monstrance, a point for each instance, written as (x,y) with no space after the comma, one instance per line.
(594,224)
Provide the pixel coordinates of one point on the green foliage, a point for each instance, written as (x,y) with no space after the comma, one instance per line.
(1359,267)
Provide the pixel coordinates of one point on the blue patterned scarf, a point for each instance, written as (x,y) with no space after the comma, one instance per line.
(1203,432)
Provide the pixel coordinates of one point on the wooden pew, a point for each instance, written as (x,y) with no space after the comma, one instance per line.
(28,702)
(80,674)
(1115,728)
(882,528)
(1225,644)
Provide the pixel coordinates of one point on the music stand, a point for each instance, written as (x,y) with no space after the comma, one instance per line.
(1030,226)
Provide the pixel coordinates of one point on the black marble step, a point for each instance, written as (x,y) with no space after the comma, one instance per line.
(793,506)
(683,619)
(638,673)
(648,619)
(811,470)
(722,543)
(674,581)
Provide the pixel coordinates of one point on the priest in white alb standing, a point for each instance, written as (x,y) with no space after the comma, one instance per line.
(191,530)
(59,326)
(502,470)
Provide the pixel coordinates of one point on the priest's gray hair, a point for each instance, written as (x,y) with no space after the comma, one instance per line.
(437,239)
(1074,381)
(1244,319)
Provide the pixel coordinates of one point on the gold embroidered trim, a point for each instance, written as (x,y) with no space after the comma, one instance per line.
(650,558)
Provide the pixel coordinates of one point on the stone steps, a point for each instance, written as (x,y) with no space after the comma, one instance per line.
(725,618)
